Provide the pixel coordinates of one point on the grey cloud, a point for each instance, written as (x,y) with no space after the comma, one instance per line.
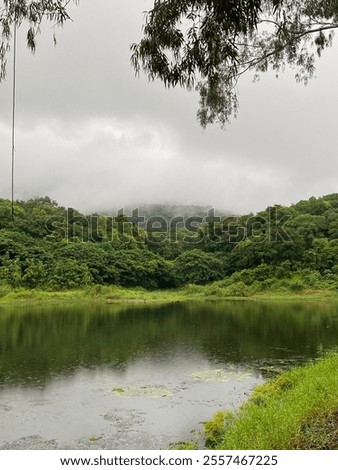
(90,133)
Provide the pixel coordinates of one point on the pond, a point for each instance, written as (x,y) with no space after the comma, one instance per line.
(143,376)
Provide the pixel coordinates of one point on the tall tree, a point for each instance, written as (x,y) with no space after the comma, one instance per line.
(210,44)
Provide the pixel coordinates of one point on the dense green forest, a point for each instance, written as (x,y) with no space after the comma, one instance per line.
(293,248)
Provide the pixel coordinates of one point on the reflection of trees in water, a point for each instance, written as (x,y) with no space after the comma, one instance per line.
(38,342)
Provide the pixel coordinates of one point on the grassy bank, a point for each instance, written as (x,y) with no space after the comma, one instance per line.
(296,410)
(103,294)
(116,294)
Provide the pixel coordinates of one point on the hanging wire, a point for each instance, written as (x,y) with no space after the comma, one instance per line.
(13,115)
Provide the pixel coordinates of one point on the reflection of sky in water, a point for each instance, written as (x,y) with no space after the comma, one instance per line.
(140,377)
(74,409)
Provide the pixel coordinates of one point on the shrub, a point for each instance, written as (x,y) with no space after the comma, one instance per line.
(35,274)
(238,289)
(297,285)
(197,267)
(69,274)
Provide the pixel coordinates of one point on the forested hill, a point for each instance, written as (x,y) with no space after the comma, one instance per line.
(169,211)
(48,246)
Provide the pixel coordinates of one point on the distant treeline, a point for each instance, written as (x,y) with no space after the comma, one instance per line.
(168,211)
(50,247)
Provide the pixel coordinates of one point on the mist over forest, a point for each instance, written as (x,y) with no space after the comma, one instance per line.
(48,246)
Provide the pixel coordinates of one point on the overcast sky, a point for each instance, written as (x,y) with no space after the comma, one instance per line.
(92,136)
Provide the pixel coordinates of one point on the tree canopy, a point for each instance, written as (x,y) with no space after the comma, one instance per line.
(205,44)
(210,44)
(50,247)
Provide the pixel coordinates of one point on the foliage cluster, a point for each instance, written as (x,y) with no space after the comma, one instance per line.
(210,44)
(66,254)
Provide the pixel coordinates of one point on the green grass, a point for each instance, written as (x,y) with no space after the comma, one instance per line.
(116,294)
(104,294)
(297,410)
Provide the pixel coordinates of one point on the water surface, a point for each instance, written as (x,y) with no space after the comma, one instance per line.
(142,376)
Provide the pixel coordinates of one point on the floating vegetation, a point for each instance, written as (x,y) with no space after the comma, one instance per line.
(95,439)
(220,375)
(145,392)
(124,418)
(269,369)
